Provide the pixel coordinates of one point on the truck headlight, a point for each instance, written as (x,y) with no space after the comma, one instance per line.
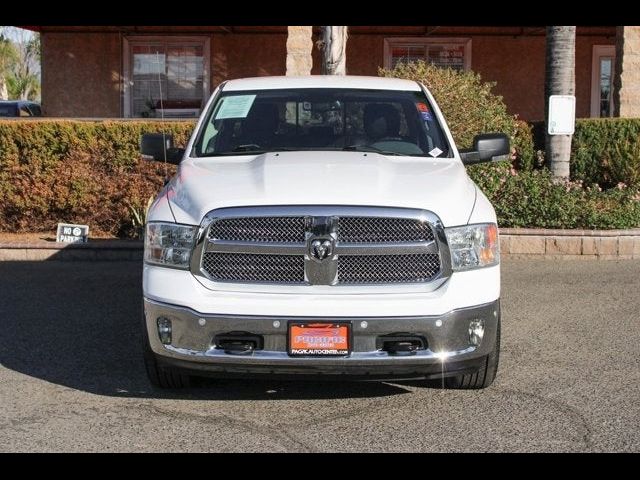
(169,244)
(473,246)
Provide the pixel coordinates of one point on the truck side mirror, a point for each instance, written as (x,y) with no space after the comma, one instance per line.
(158,146)
(487,147)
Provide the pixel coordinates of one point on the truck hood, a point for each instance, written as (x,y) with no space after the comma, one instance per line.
(322,178)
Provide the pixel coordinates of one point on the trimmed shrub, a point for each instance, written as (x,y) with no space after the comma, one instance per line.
(533,199)
(79,172)
(90,172)
(469,107)
(606,151)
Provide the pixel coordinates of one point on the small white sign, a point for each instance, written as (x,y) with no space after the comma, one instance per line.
(235,106)
(562,114)
(71,233)
(435,152)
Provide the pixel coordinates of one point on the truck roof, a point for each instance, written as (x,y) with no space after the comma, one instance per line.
(321,81)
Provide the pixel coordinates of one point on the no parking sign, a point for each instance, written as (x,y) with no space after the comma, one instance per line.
(70,233)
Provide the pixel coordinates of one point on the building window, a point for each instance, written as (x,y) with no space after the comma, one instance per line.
(444,52)
(165,76)
(602,71)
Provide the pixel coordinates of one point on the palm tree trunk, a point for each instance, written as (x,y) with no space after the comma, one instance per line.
(4,94)
(334,47)
(559,80)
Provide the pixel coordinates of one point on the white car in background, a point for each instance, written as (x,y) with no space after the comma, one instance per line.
(322,227)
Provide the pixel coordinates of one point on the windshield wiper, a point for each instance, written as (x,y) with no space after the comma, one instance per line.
(249,147)
(254,147)
(368,148)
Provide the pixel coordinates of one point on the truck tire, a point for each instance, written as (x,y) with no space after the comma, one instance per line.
(158,375)
(485,375)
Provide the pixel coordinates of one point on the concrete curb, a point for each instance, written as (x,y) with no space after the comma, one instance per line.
(514,243)
(570,244)
(93,250)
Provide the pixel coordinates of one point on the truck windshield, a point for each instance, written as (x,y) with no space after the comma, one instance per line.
(385,121)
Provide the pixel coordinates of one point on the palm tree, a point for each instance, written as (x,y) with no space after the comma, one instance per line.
(559,80)
(24,81)
(8,57)
(334,48)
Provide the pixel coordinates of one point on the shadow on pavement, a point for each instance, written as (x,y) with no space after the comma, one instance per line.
(77,324)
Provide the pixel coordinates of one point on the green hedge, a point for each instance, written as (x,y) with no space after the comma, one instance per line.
(470,107)
(90,172)
(604,151)
(78,171)
(607,152)
(533,199)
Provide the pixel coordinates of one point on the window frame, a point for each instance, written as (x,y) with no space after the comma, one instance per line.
(391,42)
(127,63)
(598,52)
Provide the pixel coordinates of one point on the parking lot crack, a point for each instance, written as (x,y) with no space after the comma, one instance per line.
(282,437)
(571,411)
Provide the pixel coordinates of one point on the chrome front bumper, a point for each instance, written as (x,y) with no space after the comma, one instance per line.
(447,337)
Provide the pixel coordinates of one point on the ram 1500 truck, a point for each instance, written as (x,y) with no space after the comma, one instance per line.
(322,227)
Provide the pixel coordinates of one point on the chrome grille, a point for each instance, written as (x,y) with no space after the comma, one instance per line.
(354,269)
(382,229)
(259,229)
(246,267)
(366,245)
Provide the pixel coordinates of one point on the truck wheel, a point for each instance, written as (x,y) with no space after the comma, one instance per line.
(484,376)
(159,376)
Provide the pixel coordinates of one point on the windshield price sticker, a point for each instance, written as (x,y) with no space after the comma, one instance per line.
(236,106)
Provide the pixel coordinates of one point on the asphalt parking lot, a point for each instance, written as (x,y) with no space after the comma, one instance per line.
(72,379)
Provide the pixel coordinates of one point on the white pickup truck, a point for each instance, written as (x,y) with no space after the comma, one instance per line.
(322,227)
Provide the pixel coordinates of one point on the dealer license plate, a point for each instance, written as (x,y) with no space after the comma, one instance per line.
(319,339)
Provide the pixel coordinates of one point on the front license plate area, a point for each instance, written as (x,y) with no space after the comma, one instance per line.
(319,339)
